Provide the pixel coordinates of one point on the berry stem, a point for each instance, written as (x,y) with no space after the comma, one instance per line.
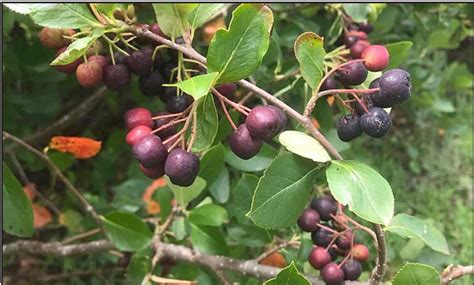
(127,43)
(241,108)
(327,228)
(183,130)
(231,122)
(155,51)
(168,116)
(175,144)
(172,123)
(360,101)
(114,45)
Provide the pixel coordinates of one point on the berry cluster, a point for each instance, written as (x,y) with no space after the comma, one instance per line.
(368,115)
(262,123)
(333,239)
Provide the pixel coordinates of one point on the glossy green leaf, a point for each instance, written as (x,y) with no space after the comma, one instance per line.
(208,215)
(249,235)
(59,16)
(184,195)
(286,184)
(398,52)
(173,18)
(236,53)
(75,50)
(203,13)
(139,266)
(197,86)
(408,226)
(303,145)
(257,163)
(358,12)
(62,160)
(363,189)
(242,197)
(416,273)
(220,188)
(127,231)
(17,211)
(289,276)
(335,30)
(208,239)
(309,52)
(211,163)
(207,123)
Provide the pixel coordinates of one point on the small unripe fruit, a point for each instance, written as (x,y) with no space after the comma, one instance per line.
(376,57)
(150,151)
(309,220)
(182,167)
(138,117)
(70,67)
(116,77)
(264,122)
(180,103)
(100,59)
(169,131)
(345,240)
(395,87)
(325,206)
(89,74)
(348,128)
(329,83)
(332,274)
(319,257)
(322,237)
(136,134)
(151,84)
(153,173)
(52,38)
(354,73)
(360,252)
(140,63)
(352,269)
(376,123)
(358,48)
(244,145)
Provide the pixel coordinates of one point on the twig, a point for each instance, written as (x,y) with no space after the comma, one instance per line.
(170,124)
(193,131)
(229,118)
(454,272)
(379,270)
(241,108)
(87,206)
(81,236)
(275,249)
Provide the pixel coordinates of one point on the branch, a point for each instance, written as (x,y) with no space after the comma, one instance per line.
(454,272)
(379,270)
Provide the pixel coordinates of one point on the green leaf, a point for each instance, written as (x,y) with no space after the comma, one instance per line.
(59,16)
(416,273)
(408,227)
(242,197)
(208,215)
(139,266)
(358,12)
(197,86)
(184,195)
(309,52)
(208,239)
(335,30)
(289,276)
(249,235)
(75,50)
(127,231)
(62,160)
(181,228)
(17,211)
(286,184)
(211,163)
(257,163)
(363,189)
(203,13)
(173,18)
(236,53)
(207,123)
(72,220)
(109,8)
(303,145)
(398,52)
(220,188)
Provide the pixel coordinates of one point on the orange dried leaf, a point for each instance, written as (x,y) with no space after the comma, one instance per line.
(153,207)
(41,215)
(80,147)
(157,183)
(275,259)
(330,100)
(30,191)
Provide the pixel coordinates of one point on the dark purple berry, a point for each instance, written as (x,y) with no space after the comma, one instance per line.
(325,206)
(332,274)
(140,62)
(322,237)
(358,48)
(150,151)
(329,83)
(151,84)
(319,257)
(348,128)
(395,87)
(282,119)
(366,27)
(345,240)
(264,122)
(228,90)
(182,167)
(168,94)
(242,144)
(167,132)
(153,173)
(180,103)
(352,269)
(354,73)
(309,220)
(333,252)
(352,37)
(376,123)
(116,76)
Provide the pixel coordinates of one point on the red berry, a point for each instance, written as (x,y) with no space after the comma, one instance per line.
(153,173)
(376,57)
(138,117)
(100,59)
(308,220)
(360,252)
(136,134)
(67,68)
(52,38)
(319,257)
(358,48)
(332,274)
(89,74)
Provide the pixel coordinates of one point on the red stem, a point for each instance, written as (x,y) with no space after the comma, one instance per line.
(172,123)
(227,114)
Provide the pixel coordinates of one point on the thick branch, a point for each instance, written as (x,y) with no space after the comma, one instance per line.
(379,270)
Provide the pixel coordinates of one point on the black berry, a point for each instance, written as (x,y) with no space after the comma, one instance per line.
(325,206)
(348,128)
(167,132)
(345,240)
(140,62)
(242,144)
(116,76)
(395,87)
(376,123)
(151,84)
(322,237)
(366,27)
(352,269)
(168,94)
(182,167)
(354,73)
(180,103)
(329,83)
(264,122)
(309,220)
(150,151)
